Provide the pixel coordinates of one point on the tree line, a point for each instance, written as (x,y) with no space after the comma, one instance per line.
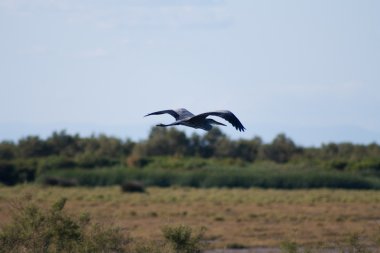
(30,156)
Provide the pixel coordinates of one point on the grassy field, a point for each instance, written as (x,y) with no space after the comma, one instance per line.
(232,217)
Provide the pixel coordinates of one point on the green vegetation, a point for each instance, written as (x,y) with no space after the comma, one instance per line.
(209,179)
(183,240)
(217,177)
(169,157)
(36,230)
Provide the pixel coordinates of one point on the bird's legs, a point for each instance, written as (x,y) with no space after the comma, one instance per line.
(214,122)
(163,125)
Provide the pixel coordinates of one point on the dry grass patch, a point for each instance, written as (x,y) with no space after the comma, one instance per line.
(249,217)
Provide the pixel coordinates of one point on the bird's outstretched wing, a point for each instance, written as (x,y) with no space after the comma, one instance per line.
(178,114)
(171,112)
(227,115)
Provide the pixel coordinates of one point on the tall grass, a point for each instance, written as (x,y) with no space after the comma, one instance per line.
(219,177)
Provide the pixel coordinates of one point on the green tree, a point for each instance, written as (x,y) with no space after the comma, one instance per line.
(33,146)
(127,147)
(164,141)
(224,148)
(7,150)
(248,150)
(194,145)
(209,142)
(110,147)
(280,150)
(62,143)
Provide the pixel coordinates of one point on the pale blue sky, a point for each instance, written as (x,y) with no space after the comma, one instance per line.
(310,69)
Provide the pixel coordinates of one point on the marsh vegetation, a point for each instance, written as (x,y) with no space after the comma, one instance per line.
(168,157)
(178,193)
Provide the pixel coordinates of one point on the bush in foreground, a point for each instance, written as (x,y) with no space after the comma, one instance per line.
(35,230)
(183,240)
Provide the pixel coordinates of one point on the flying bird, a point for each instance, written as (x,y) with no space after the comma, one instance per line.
(186,118)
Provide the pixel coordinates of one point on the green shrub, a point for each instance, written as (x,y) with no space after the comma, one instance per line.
(55,162)
(366,165)
(90,160)
(37,230)
(17,171)
(26,169)
(337,164)
(8,173)
(136,161)
(182,239)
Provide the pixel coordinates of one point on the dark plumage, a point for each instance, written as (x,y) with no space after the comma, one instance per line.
(186,118)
